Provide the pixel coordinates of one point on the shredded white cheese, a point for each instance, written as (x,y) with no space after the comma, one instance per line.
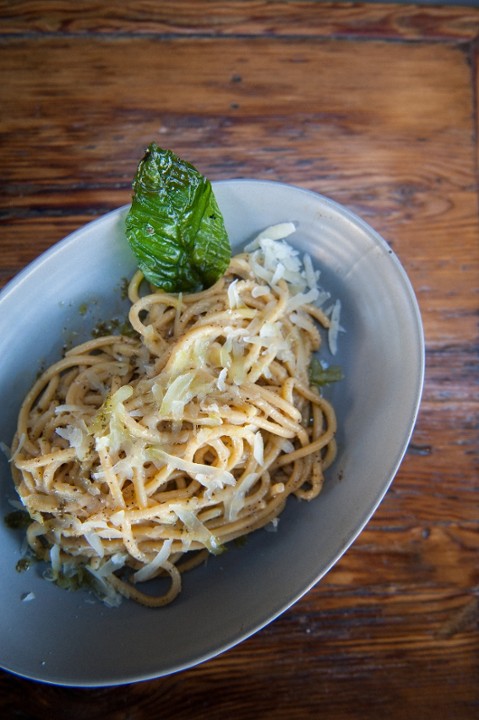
(334,327)
(258,448)
(149,570)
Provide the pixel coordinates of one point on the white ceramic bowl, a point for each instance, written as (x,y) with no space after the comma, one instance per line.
(67,638)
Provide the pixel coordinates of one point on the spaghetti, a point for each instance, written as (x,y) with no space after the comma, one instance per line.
(136,457)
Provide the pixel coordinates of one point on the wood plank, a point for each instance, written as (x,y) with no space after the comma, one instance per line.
(227,128)
(248,17)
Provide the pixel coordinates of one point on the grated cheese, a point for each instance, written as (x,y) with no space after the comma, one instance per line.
(149,570)
(334,327)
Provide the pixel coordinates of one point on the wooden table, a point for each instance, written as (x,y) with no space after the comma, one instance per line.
(374,106)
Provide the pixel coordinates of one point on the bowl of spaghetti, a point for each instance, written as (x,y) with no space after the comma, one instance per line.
(190,465)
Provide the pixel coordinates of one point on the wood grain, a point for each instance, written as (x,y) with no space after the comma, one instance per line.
(242,17)
(375,106)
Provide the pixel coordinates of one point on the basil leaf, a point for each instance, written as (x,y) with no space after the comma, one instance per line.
(174,226)
(320,375)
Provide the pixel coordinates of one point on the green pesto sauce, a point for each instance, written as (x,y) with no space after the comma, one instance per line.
(113,327)
(18,519)
(81,579)
(124,288)
(241,540)
(23,564)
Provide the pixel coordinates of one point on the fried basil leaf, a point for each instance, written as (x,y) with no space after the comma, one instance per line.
(174,226)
